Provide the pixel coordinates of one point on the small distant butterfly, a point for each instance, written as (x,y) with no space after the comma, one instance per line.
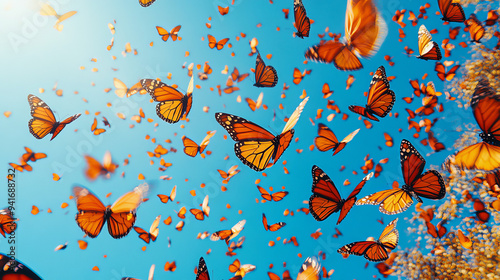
(265,76)
(153,231)
(228,234)
(212,42)
(427,48)
(165,34)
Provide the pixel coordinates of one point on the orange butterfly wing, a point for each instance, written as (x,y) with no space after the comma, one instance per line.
(190,147)
(452,12)
(265,76)
(173,105)
(202,273)
(91,212)
(325,199)
(7,222)
(144,235)
(427,48)
(302,22)
(476,29)
(13,269)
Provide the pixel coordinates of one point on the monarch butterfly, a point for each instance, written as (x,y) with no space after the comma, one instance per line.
(172,34)
(365,31)
(485,104)
(298,76)
(202,273)
(228,234)
(256,146)
(173,104)
(43,121)
(7,222)
(165,198)
(476,29)
(326,139)
(254,105)
(427,48)
(207,70)
(235,75)
(205,210)
(273,227)
(240,270)
(436,231)
(326,91)
(22,167)
(153,231)
(192,149)
(375,251)
(95,130)
(122,89)
(14,269)
(309,269)
(31,156)
(326,199)
(277,196)
(96,169)
(302,22)
(380,97)
(92,214)
(442,74)
(146,3)
(492,18)
(451,11)
(273,276)
(212,42)
(429,184)
(265,76)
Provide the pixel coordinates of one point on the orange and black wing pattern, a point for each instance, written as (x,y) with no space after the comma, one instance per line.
(12,269)
(255,146)
(302,22)
(7,222)
(451,11)
(265,76)
(428,49)
(43,121)
(325,199)
(380,97)
(202,273)
(146,3)
(173,105)
(476,28)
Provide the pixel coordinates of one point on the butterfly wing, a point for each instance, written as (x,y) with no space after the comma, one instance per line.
(264,193)
(325,199)
(476,28)
(393,201)
(190,147)
(349,202)
(481,156)
(163,33)
(221,43)
(144,235)
(211,41)
(368,249)
(202,273)
(174,32)
(363,111)
(13,269)
(302,22)
(91,212)
(380,97)
(123,216)
(452,12)
(485,104)
(146,3)
(427,48)
(390,236)
(326,139)
(265,76)
(63,124)
(412,163)
(430,185)
(309,270)
(173,104)
(7,222)
(277,196)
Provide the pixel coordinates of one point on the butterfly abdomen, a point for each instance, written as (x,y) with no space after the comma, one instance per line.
(489,138)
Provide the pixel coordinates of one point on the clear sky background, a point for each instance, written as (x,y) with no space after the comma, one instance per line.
(35,55)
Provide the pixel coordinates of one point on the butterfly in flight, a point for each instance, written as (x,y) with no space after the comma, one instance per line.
(146,3)
(228,234)
(212,42)
(200,214)
(476,28)
(173,105)
(96,169)
(326,199)
(309,269)
(153,231)
(202,273)
(273,227)
(7,222)
(14,269)
(92,214)
(43,121)
(427,48)
(256,146)
(451,11)
(380,97)
(428,185)
(485,155)
(302,22)
(375,251)
(265,76)
(277,196)
(365,31)
(192,149)
(326,139)
(173,34)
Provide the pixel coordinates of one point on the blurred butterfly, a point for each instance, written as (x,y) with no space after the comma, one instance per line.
(153,231)
(235,75)
(436,231)
(326,199)
(228,234)
(375,251)
(277,196)
(429,184)
(95,130)
(302,22)
(492,18)
(298,76)
(451,11)
(442,74)
(202,273)
(464,240)
(476,28)
(192,149)
(165,198)
(43,121)
(427,48)
(173,105)
(365,31)
(482,216)
(200,214)
(122,89)
(326,139)
(165,34)
(309,269)
(265,76)
(286,276)
(146,3)
(48,10)
(380,97)
(7,222)
(12,269)
(96,169)
(22,167)
(485,155)
(92,214)
(273,227)
(240,270)
(256,146)
(254,105)
(326,91)
(207,70)
(31,156)
(212,42)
